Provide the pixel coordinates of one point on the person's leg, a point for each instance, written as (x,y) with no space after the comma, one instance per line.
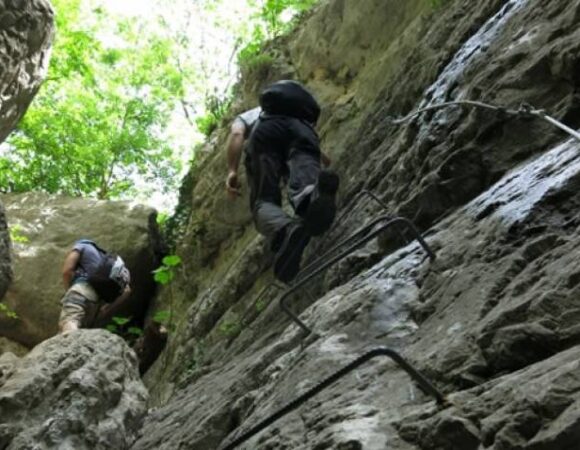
(72,313)
(312,190)
(268,149)
(304,168)
(265,166)
(91,312)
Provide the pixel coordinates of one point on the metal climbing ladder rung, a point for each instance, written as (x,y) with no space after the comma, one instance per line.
(423,383)
(352,243)
(305,273)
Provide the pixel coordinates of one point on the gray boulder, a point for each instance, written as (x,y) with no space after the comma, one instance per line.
(6,345)
(26,32)
(50,225)
(77,391)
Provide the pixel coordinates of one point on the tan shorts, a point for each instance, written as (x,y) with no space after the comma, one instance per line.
(78,309)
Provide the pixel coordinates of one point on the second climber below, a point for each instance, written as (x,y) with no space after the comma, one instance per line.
(283,146)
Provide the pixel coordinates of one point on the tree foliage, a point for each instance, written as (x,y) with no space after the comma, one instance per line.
(271,19)
(98,121)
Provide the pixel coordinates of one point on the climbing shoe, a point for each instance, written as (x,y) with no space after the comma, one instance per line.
(322,208)
(287,259)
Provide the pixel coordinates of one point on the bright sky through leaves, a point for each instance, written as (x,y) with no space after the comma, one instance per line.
(132,85)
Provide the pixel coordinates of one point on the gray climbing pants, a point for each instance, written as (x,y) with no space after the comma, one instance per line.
(281,148)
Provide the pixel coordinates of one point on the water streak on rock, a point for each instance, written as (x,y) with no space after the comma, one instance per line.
(515,196)
(475,47)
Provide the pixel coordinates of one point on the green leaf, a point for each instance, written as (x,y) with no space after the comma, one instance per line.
(121,320)
(16,235)
(7,311)
(135,331)
(162,275)
(171,260)
(162,219)
(162,317)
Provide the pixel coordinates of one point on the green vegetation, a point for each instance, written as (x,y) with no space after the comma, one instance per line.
(5,310)
(16,234)
(231,327)
(120,326)
(216,108)
(98,121)
(103,123)
(165,273)
(436,4)
(195,360)
(162,317)
(273,18)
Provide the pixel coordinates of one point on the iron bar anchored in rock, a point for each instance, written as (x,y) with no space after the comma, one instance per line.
(306,270)
(523,111)
(423,383)
(354,242)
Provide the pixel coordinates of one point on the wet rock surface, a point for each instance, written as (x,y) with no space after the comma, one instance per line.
(79,391)
(492,321)
(26,33)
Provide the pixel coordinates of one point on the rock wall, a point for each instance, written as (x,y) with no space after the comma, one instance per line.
(5,267)
(26,32)
(49,225)
(80,391)
(491,321)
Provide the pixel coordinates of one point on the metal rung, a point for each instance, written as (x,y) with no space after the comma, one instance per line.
(423,383)
(304,271)
(314,271)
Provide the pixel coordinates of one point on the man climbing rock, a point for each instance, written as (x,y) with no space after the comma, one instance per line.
(283,144)
(91,277)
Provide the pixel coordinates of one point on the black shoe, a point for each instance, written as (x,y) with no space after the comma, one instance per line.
(322,209)
(287,260)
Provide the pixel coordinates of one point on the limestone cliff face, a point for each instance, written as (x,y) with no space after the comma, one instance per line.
(492,322)
(80,391)
(5,267)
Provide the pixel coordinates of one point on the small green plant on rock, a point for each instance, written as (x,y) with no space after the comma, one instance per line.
(231,327)
(5,310)
(216,107)
(165,273)
(162,317)
(436,4)
(119,326)
(273,18)
(194,363)
(17,236)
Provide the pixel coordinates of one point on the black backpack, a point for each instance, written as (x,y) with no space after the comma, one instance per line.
(290,98)
(110,278)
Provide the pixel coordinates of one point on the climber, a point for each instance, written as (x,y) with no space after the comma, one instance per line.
(283,145)
(91,277)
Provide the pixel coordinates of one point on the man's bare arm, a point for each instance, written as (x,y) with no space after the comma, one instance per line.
(234,146)
(69,266)
(106,309)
